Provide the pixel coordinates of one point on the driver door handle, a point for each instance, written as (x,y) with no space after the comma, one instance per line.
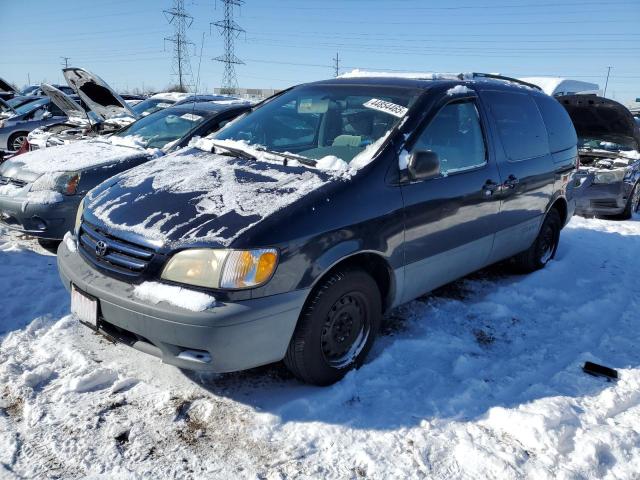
(489,188)
(511,182)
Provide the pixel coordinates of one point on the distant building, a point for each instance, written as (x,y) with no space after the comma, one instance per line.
(556,86)
(249,93)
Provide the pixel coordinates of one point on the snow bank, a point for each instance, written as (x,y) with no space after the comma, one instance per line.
(155,292)
(481,379)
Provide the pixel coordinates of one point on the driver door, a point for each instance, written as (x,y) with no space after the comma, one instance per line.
(450,219)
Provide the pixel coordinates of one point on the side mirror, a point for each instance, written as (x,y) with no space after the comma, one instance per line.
(423,164)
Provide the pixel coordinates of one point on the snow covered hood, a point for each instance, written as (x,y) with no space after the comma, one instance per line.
(196,196)
(73,157)
(602,118)
(64,102)
(95,92)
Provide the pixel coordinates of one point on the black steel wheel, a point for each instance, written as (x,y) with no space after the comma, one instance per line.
(336,328)
(544,246)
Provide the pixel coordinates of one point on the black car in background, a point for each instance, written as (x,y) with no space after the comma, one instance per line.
(288,233)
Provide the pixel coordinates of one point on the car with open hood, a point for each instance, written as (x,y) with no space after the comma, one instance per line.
(95,119)
(7,90)
(609,149)
(289,232)
(29,116)
(40,191)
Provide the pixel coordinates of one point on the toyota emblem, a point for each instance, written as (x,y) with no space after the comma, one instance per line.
(101,249)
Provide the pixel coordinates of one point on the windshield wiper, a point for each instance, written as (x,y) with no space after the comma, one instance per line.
(234,151)
(290,156)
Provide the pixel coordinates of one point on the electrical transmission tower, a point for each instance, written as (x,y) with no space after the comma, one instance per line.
(229,30)
(66,61)
(181,20)
(336,64)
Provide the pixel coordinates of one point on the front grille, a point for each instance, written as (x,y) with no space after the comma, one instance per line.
(112,253)
(605,203)
(12,181)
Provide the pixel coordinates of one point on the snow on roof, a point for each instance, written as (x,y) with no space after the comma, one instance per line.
(172,96)
(552,85)
(357,73)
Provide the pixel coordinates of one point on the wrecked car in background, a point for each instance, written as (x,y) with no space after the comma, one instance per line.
(609,156)
(40,191)
(28,117)
(7,90)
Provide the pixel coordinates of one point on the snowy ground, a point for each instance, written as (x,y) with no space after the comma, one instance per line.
(480,380)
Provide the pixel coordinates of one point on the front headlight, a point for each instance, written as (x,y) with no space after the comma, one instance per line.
(609,176)
(65,183)
(227,269)
(79,213)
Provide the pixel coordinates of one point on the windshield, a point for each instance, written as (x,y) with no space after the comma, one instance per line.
(27,107)
(151,105)
(160,128)
(319,121)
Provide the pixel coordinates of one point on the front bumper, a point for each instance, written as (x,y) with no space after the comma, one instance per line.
(233,336)
(47,221)
(603,199)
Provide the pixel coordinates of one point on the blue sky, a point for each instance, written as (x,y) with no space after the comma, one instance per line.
(293,41)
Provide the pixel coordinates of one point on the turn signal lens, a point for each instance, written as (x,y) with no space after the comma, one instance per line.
(248,268)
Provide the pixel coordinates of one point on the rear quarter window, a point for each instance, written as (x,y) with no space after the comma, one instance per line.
(562,134)
(520,126)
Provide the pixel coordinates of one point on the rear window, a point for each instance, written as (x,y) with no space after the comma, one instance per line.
(562,134)
(520,126)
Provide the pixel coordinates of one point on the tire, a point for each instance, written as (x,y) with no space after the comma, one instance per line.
(544,246)
(632,206)
(336,328)
(16,140)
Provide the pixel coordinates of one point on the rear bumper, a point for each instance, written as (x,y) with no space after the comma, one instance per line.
(47,221)
(233,336)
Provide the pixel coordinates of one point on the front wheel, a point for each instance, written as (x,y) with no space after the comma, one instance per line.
(336,329)
(632,206)
(544,247)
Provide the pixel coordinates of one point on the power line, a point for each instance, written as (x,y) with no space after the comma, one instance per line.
(229,30)
(181,20)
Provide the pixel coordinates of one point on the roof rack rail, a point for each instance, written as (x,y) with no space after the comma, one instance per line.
(502,77)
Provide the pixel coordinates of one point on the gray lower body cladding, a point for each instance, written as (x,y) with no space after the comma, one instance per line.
(233,336)
(47,221)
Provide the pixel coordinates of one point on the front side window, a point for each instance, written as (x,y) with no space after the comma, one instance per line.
(455,134)
(162,127)
(323,120)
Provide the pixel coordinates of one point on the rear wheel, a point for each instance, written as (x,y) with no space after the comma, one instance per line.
(336,328)
(544,247)
(16,140)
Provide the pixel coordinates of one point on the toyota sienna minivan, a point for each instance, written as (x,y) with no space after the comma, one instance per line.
(288,233)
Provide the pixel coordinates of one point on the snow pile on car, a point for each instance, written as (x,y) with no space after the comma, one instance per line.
(155,292)
(75,156)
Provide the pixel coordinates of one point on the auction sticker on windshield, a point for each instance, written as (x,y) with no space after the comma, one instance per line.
(387,107)
(191,117)
(84,307)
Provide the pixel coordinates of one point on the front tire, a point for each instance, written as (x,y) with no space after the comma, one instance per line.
(336,329)
(543,248)
(632,206)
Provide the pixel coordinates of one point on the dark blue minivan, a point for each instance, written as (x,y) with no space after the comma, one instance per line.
(288,233)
